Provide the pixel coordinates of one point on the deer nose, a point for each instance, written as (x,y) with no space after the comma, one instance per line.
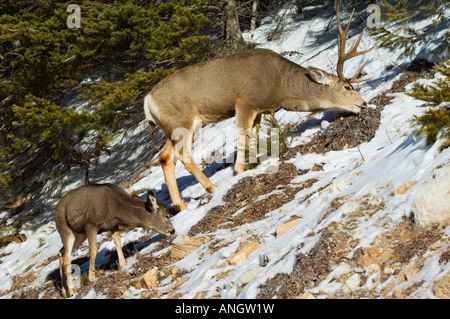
(364,105)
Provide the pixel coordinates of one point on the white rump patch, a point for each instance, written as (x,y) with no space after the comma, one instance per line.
(151,109)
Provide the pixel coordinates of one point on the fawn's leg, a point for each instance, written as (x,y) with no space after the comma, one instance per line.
(122,262)
(91,233)
(65,266)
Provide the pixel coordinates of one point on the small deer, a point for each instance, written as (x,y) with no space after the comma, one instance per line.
(91,209)
(244,85)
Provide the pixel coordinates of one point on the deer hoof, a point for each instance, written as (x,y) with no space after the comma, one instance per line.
(211,188)
(122,265)
(238,168)
(70,292)
(181,206)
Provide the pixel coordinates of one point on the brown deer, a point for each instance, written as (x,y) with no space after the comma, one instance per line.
(245,84)
(88,210)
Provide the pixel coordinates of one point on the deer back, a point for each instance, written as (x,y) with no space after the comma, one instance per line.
(258,79)
(210,90)
(105,206)
(89,204)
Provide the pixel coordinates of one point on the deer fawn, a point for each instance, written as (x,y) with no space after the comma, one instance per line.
(245,84)
(90,209)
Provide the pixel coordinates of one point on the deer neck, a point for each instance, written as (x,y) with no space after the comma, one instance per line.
(135,210)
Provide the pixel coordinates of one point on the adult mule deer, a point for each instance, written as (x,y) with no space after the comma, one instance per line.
(245,84)
(90,209)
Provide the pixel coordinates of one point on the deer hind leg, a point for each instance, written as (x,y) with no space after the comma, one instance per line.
(185,155)
(117,241)
(168,167)
(92,239)
(70,242)
(245,119)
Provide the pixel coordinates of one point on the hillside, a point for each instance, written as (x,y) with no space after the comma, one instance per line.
(330,218)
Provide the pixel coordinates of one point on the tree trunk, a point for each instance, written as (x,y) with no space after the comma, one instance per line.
(255,15)
(299,6)
(234,40)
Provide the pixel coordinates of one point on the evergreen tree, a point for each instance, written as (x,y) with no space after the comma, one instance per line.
(400,15)
(435,121)
(121,51)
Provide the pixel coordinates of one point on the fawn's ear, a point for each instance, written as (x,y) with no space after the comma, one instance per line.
(319,76)
(151,200)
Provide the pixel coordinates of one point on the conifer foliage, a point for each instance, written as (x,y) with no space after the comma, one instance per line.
(435,121)
(121,50)
(404,14)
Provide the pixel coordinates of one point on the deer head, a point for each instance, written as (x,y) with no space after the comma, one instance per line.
(158,216)
(336,91)
(346,84)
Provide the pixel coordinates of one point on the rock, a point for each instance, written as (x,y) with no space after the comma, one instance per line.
(374,255)
(355,174)
(307,295)
(282,229)
(263,260)
(149,280)
(397,293)
(373,252)
(402,189)
(389,270)
(242,254)
(184,245)
(441,286)
(249,275)
(317,167)
(338,185)
(408,273)
(179,283)
(126,295)
(431,206)
(200,295)
(351,283)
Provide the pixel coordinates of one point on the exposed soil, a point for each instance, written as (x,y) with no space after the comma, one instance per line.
(245,194)
(400,249)
(113,282)
(308,269)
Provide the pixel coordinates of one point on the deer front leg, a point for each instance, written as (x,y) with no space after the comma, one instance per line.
(244,122)
(117,241)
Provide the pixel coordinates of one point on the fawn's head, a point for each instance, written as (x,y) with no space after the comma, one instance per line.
(158,216)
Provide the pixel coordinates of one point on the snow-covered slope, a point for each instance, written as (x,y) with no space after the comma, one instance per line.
(343,198)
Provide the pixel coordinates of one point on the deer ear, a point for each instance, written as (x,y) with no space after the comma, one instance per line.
(318,75)
(151,200)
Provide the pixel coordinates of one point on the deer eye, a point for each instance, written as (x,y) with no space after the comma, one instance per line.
(348,87)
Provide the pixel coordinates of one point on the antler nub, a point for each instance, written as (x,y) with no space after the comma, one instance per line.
(344,56)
